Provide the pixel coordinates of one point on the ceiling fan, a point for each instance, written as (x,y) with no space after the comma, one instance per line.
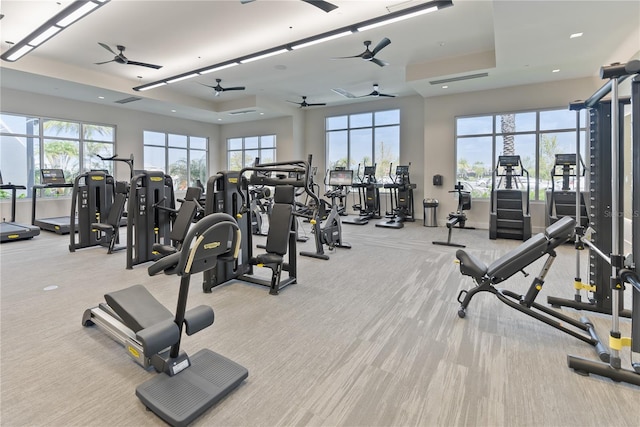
(369,55)
(121,59)
(304,103)
(219,89)
(324,5)
(376,93)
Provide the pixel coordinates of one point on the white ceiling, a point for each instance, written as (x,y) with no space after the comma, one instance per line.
(516,42)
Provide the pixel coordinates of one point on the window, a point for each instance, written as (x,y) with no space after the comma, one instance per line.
(536,136)
(364,139)
(242,152)
(29,143)
(182,157)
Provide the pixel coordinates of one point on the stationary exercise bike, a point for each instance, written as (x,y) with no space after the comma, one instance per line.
(331,233)
(187,386)
(458,218)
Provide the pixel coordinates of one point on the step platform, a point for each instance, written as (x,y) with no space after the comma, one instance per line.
(182,398)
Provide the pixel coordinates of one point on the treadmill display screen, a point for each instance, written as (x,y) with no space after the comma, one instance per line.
(341,177)
(402,170)
(52,176)
(566,159)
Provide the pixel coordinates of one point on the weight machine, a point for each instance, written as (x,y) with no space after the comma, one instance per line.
(623,270)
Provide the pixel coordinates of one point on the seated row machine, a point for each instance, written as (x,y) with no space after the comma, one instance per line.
(187,386)
(486,277)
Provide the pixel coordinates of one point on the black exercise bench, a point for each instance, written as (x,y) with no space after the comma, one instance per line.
(486,276)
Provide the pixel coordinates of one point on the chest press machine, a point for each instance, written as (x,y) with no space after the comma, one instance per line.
(186,386)
(542,244)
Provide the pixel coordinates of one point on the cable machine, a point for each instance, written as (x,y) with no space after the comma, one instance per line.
(623,270)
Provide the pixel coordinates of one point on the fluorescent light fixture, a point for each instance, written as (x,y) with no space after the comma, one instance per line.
(153,86)
(53,26)
(79,13)
(575,35)
(188,76)
(264,55)
(18,53)
(395,16)
(221,67)
(44,36)
(398,18)
(321,40)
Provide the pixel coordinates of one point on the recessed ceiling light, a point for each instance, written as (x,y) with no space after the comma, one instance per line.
(173,111)
(445,87)
(575,35)
(101,97)
(557,70)
(219,120)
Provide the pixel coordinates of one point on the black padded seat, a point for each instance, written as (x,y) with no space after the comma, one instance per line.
(562,229)
(470,265)
(137,308)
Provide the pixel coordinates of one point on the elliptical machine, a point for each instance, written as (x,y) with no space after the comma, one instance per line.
(458,218)
(401,193)
(368,197)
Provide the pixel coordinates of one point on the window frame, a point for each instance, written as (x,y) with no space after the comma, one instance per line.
(382,171)
(36,148)
(496,136)
(273,140)
(169,146)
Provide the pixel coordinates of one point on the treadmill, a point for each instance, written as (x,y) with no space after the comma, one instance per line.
(50,178)
(10,231)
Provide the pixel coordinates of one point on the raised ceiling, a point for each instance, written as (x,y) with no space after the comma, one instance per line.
(514,42)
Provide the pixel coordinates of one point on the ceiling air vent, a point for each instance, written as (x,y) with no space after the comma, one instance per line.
(457,79)
(343,92)
(127,100)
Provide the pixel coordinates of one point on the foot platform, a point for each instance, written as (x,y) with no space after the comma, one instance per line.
(182,398)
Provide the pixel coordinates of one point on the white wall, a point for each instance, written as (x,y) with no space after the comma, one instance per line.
(439,134)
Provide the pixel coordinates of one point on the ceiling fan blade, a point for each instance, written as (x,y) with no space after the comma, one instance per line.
(379,62)
(383,43)
(386,95)
(246,1)
(107,47)
(105,62)
(324,5)
(212,87)
(349,57)
(316,105)
(233,88)
(142,64)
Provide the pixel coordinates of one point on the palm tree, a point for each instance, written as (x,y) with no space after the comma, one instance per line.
(508,127)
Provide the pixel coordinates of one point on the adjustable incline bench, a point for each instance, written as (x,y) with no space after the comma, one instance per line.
(516,260)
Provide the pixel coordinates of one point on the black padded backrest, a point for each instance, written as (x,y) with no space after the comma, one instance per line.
(284,194)
(280,220)
(137,308)
(561,230)
(183,220)
(117,207)
(214,235)
(193,193)
(518,258)
(465,201)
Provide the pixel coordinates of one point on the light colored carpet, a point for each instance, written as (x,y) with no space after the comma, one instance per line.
(369,338)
